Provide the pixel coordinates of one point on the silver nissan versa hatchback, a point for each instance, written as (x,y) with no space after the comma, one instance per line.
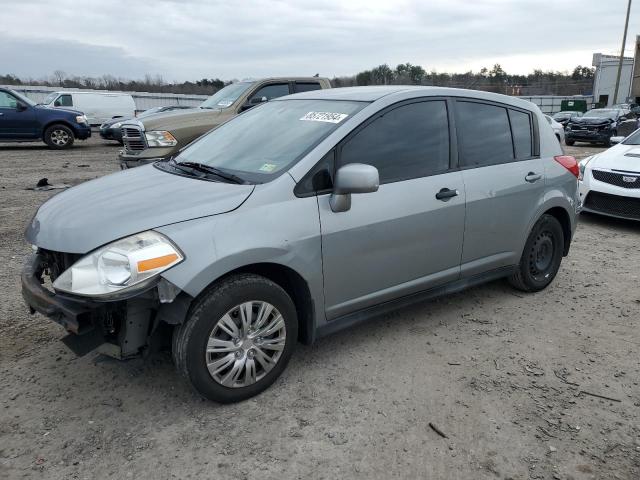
(298,218)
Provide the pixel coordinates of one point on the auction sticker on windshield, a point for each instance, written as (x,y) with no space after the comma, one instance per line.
(325,117)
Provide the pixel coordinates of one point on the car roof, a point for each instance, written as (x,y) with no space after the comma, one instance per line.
(373,93)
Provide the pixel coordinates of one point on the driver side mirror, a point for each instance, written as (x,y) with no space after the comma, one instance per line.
(352,178)
(253,102)
(21,107)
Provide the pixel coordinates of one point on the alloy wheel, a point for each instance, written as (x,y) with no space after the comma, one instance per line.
(60,137)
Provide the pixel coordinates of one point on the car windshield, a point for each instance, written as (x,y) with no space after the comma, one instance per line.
(26,100)
(633,139)
(224,98)
(266,140)
(601,113)
(50,98)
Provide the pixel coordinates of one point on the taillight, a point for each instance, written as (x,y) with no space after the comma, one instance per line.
(568,162)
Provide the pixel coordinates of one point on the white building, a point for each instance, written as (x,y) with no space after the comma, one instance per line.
(604,83)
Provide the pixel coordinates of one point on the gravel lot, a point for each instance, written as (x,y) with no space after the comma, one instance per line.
(499,372)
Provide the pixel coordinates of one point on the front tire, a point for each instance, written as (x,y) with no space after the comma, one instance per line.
(237,339)
(58,137)
(569,143)
(541,257)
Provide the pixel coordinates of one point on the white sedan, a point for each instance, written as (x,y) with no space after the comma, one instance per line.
(610,181)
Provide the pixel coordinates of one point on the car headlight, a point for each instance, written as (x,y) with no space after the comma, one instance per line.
(81,119)
(116,125)
(128,264)
(582,165)
(160,138)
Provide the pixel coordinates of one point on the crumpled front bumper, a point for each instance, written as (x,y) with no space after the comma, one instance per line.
(73,314)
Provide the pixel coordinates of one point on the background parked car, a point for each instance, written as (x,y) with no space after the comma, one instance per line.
(162,135)
(596,126)
(97,106)
(110,130)
(22,120)
(564,117)
(610,181)
(558,129)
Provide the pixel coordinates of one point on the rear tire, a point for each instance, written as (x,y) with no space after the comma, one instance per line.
(569,143)
(227,359)
(541,256)
(58,136)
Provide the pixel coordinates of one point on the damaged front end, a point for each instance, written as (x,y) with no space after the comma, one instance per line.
(125,327)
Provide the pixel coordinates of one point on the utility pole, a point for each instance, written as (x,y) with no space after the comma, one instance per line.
(624,41)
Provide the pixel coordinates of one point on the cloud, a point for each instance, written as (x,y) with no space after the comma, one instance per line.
(192,39)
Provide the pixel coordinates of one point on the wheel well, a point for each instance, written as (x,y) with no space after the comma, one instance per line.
(295,286)
(58,122)
(558,137)
(563,217)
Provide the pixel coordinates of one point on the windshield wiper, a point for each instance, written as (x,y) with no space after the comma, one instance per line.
(201,167)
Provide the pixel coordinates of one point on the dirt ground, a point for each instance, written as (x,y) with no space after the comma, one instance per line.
(498,372)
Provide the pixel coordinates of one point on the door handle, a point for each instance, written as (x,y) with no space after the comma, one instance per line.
(533,177)
(445,194)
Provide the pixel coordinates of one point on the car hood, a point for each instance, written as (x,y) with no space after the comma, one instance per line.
(58,109)
(180,118)
(97,212)
(619,157)
(592,121)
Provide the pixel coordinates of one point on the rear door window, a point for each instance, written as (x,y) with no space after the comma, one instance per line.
(522,134)
(484,134)
(409,141)
(306,86)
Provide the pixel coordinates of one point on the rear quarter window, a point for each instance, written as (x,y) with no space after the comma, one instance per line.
(306,86)
(522,131)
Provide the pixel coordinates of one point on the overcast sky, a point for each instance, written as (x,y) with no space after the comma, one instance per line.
(192,39)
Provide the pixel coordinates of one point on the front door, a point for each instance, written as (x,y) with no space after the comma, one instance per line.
(400,239)
(14,122)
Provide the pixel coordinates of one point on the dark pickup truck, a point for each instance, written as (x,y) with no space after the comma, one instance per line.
(22,120)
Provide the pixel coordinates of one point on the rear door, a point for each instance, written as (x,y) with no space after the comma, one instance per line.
(15,124)
(504,182)
(401,239)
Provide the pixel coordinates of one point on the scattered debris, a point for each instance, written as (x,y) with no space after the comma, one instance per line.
(82,165)
(600,396)
(435,428)
(43,185)
(454,363)
(562,375)
(535,370)
(543,430)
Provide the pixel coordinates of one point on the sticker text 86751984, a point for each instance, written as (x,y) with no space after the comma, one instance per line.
(329,117)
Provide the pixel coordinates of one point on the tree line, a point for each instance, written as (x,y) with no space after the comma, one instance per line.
(496,79)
